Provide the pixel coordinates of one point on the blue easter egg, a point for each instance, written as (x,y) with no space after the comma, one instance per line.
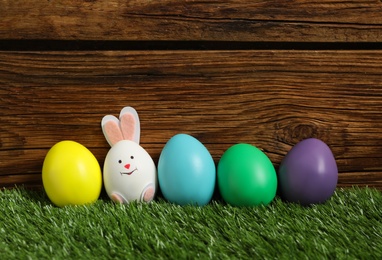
(186,171)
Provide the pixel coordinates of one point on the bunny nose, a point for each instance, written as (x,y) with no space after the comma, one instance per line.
(127,166)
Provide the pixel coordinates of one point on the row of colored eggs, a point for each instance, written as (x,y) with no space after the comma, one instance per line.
(186,173)
(245,175)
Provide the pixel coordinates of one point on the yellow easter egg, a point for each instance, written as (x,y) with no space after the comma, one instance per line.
(71,174)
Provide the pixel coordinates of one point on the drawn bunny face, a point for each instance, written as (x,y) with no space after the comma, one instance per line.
(129,172)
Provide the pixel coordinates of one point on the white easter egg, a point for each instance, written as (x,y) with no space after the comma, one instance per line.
(129,173)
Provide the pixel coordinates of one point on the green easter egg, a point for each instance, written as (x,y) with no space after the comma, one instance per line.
(246,176)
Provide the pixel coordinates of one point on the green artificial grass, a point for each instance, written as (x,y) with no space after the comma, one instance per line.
(348,226)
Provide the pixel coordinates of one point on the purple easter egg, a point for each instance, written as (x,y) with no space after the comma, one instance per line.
(308,174)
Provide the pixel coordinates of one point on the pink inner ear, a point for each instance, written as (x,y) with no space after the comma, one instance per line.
(113,132)
(127,122)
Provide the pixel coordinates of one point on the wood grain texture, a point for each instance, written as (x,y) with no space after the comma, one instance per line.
(173,20)
(271,99)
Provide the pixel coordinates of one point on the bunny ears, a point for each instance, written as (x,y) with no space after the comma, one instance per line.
(127,127)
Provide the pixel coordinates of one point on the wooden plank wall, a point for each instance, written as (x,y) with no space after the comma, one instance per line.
(269,73)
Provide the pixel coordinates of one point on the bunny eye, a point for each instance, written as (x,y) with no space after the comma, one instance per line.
(120,161)
(131,157)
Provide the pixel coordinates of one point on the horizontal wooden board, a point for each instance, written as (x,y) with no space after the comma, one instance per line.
(172,20)
(271,99)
